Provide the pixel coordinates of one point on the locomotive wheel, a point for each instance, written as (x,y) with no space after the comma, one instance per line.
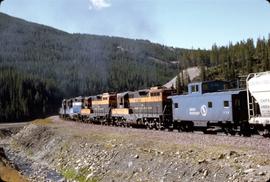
(159,126)
(147,125)
(151,125)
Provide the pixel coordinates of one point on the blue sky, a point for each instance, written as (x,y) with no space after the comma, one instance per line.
(178,23)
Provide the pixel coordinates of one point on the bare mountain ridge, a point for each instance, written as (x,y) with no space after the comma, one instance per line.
(192,72)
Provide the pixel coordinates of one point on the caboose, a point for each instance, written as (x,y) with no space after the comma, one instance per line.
(209,105)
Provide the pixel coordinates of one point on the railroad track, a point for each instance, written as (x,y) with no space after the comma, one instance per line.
(217,132)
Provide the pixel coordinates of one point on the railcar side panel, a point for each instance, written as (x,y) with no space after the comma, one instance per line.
(205,108)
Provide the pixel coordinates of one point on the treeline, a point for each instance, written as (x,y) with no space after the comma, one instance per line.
(242,58)
(225,62)
(229,62)
(23,97)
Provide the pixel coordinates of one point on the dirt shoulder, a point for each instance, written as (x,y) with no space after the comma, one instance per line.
(85,152)
(13,125)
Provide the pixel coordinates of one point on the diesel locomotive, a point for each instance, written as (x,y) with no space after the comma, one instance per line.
(207,106)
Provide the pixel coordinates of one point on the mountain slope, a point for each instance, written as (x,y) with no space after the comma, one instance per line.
(80,64)
(192,72)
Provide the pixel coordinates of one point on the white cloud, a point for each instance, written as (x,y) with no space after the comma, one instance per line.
(99,4)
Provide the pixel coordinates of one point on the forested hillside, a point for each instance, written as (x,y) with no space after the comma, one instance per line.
(83,64)
(23,97)
(72,64)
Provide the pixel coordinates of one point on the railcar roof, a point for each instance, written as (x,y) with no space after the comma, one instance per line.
(209,81)
(229,92)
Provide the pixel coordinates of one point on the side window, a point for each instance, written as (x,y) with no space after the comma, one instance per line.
(210,104)
(175,105)
(155,94)
(195,88)
(226,103)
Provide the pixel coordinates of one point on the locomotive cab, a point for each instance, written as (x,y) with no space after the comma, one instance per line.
(63,109)
(122,105)
(86,108)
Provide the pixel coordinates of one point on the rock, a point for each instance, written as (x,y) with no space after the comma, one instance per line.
(213,158)
(88,176)
(221,156)
(136,156)
(205,173)
(130,163)
(201,161)
(61,180)
(232,153)
(79,160)
(249,170)
(262,173)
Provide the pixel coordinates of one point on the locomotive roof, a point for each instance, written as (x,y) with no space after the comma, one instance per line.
(123,93)
(90,97)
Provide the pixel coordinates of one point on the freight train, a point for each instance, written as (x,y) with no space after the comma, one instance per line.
(208,106)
